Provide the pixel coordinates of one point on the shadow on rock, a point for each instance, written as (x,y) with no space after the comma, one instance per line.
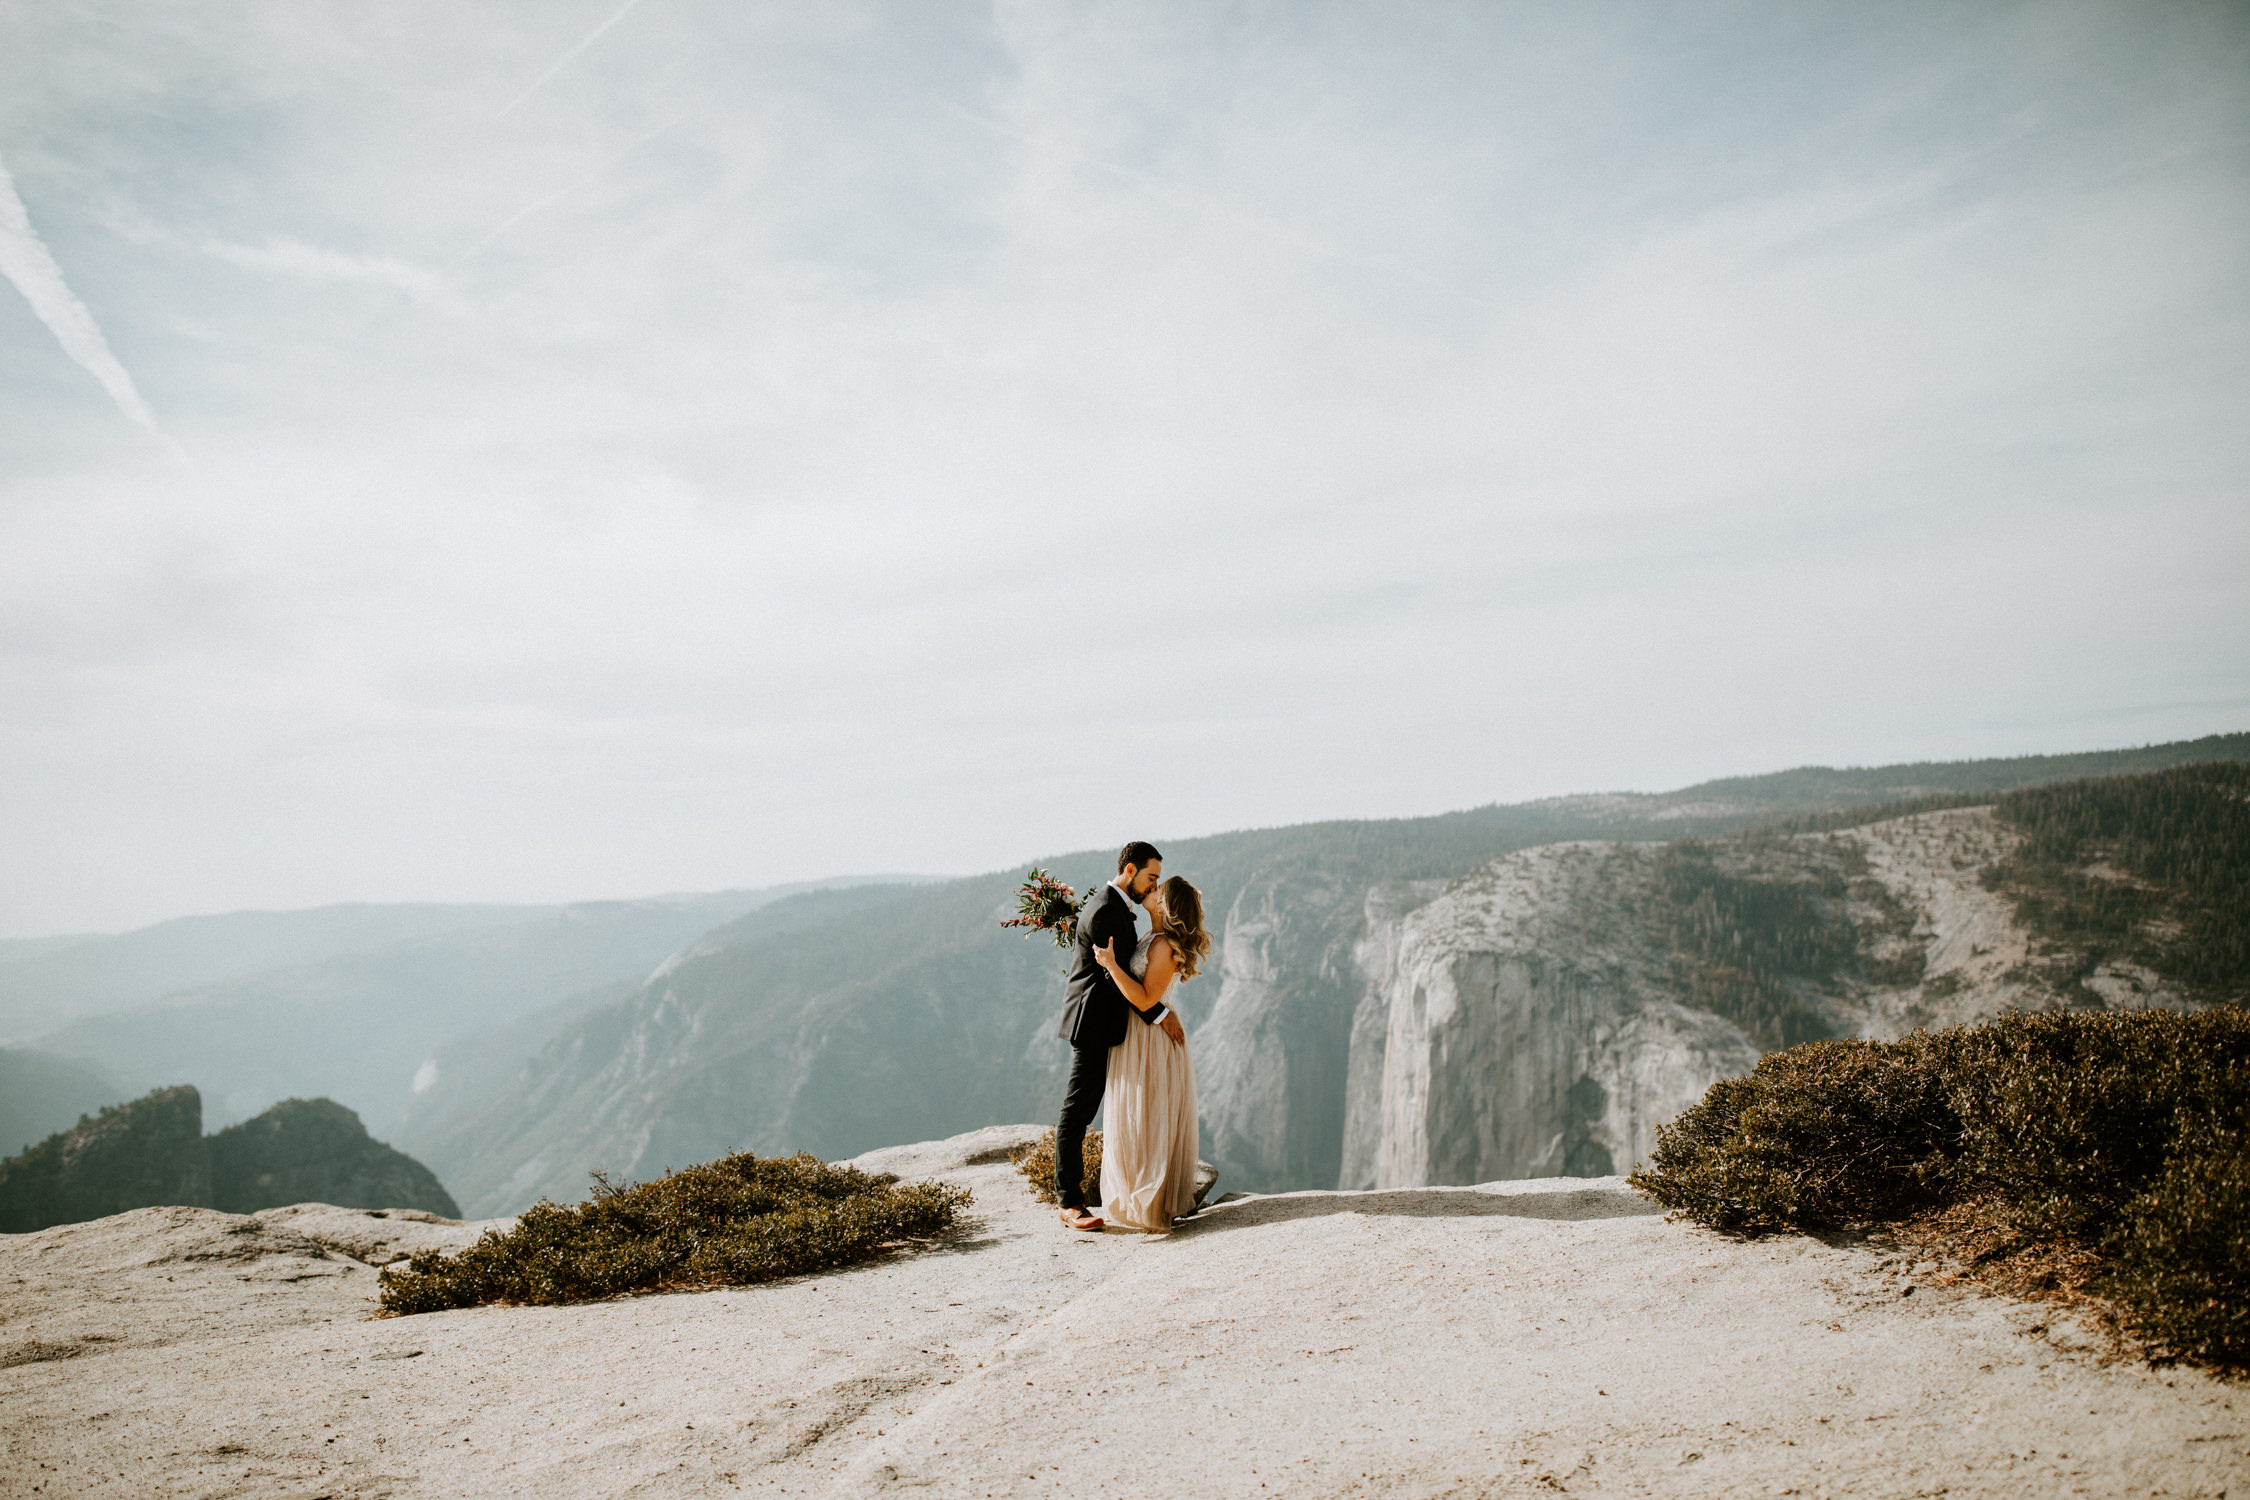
(1425,1203)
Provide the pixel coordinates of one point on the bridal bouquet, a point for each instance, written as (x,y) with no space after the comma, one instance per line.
(1045,904)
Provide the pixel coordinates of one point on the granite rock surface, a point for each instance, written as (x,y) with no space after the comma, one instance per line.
(1532,1337)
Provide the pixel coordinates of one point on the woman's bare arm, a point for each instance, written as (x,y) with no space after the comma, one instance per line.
(1141,995)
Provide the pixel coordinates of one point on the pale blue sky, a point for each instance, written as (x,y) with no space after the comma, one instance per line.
(799,439)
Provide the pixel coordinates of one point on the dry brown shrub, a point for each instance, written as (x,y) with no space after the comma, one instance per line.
(1037,1163)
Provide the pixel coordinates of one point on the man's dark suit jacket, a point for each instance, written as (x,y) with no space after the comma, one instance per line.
(1094,1009)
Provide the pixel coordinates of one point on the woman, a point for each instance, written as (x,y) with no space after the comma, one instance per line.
(1148,1135)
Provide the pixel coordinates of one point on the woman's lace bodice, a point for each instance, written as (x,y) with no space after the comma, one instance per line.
(1139,961)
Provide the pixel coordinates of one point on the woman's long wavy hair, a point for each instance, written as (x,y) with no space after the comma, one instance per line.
(1183,924)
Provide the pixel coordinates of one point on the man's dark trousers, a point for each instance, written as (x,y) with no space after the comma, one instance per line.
(1089,1070)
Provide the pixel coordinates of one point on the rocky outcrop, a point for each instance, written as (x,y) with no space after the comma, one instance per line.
(152,1153)
(129,1156)
(1541,1017)
(316,1151)
(1271,1052)
(1520,1026)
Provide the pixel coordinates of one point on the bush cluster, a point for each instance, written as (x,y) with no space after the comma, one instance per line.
(736,1220)
(2119,1135)
(1037,1163)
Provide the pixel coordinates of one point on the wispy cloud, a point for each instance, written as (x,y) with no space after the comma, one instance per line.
(26,261)
(689,533)
(289,257)
(565,60)
(1173,196)
(563,192)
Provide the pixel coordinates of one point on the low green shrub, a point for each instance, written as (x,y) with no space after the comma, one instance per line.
(1037,1163)
(2116,1134)
(2184,1246)
(1823,1134)
(736,1220)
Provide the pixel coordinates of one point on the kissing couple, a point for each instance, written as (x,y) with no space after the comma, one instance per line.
(1128,1047)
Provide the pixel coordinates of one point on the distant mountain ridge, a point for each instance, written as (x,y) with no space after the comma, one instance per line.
(46,982)
(367,1001)
(358,1027)
(69,979)
(1806,789)
(842,1022)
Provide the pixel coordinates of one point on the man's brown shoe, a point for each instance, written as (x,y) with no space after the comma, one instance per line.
(1078,1218)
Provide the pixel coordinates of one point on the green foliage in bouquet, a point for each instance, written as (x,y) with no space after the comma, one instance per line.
(1045,904)
(726,1223)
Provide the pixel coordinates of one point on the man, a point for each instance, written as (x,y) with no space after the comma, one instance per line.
(1095,1015)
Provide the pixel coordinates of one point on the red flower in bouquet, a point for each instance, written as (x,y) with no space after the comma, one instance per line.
(1045,904)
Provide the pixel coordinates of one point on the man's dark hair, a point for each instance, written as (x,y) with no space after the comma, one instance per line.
(1137,854)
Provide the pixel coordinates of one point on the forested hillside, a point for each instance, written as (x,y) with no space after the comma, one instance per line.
(2152,871)
(151,1152)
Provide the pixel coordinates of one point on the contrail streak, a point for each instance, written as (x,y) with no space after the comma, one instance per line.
(26,261)
(591,37)
(560,193)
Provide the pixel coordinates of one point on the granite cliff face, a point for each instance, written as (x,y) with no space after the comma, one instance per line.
(1513,1023)
(152,1153)
(1546,1013)
(1541,1016)
(1519,1027)
(1271,1051)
